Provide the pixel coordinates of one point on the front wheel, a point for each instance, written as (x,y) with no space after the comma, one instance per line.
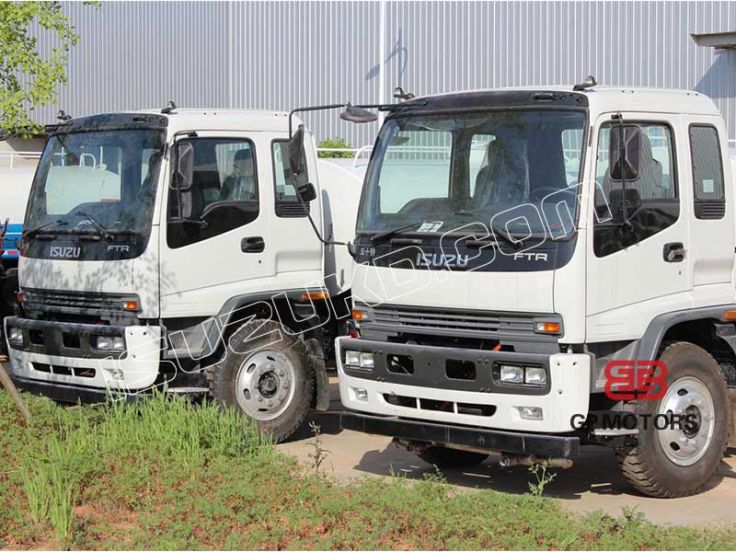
(267,375)
(680,459)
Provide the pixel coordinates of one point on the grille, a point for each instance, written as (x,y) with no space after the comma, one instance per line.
(61,300)
(462,323)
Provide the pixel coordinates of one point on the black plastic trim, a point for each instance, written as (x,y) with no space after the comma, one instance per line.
(556,446)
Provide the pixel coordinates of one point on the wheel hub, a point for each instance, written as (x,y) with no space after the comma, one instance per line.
(685,441)
(265,384)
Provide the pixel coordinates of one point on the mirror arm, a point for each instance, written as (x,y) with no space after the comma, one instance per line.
(332,106)
(311,108)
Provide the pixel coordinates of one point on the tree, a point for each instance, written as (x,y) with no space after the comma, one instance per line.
(27,79)
(334,143)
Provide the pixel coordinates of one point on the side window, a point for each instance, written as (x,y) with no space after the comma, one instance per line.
(705,150)
(286,203)
(651,200)
(215,191)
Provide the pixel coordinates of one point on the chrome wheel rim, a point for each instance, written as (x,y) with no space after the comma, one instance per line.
(685,444)
(265,385)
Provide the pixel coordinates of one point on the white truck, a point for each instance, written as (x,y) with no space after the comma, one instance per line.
(545,268)
(171,249)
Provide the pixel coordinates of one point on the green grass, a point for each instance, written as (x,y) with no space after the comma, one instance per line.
(167,475)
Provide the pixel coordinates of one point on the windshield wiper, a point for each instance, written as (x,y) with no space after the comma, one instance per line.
(38,229)
(101,230)
(393,231)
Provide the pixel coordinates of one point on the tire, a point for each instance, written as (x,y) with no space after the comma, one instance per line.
(271,380)
(681,462)
(444,457)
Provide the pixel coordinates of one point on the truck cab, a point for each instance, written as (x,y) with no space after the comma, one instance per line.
(161,249)
(521,253)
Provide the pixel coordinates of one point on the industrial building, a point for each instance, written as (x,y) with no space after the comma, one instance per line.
(279,55)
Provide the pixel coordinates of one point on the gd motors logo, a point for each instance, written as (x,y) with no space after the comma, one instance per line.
(628,380)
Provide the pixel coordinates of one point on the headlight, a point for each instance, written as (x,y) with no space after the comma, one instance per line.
(524,375)
(15,336)
(359,359)
(535,376)
(352,358)
(512,374)
(366,360)
(109,343)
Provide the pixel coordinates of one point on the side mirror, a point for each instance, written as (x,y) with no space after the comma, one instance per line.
(353,114)
(307,192)
(624,158)
(184,166)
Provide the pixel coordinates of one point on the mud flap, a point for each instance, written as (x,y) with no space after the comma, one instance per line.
(321,400)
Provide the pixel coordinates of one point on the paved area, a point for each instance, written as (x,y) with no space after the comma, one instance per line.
(593,483)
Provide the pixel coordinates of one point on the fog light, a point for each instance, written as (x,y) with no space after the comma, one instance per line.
(530,412)
(15,336)
(512,374)
(360,394)
(352,358)
(535,376)
(109,343)
(366,360)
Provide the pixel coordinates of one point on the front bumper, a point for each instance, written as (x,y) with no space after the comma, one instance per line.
(428,394)
(59,354)
(556,446)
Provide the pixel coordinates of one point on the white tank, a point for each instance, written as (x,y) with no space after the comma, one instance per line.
(341,189)
(15,186)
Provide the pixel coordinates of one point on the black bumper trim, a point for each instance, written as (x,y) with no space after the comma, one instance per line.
(556,446)
(69,393)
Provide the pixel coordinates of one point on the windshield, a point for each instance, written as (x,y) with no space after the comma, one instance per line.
(89,181)
(515,170)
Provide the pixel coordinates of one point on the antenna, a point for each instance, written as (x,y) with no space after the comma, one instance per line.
(589,82)
(170,107)
(399,94)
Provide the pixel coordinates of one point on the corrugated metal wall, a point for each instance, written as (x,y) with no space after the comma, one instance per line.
(277,55)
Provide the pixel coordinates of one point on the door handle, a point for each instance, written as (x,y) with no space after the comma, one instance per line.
(673,252)
(254,244)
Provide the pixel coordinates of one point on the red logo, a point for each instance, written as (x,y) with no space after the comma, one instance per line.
(628,380)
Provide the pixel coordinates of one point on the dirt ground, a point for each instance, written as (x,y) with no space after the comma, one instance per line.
(593,483)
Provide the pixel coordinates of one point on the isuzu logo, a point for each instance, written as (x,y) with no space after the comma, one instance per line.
(440,260)
(64,252)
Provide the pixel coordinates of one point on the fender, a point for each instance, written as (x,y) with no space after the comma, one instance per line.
(648,346)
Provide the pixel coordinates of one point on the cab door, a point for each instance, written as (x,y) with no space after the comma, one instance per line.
(639,267)
(711,221)
(215,240)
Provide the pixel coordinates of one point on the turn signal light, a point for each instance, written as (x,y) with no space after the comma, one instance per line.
(131,305)
(359,315)
(320,295)
(729,315)
(547,327)
(20,297)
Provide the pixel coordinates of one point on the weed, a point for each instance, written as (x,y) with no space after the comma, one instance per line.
(319,454)
(542,478)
